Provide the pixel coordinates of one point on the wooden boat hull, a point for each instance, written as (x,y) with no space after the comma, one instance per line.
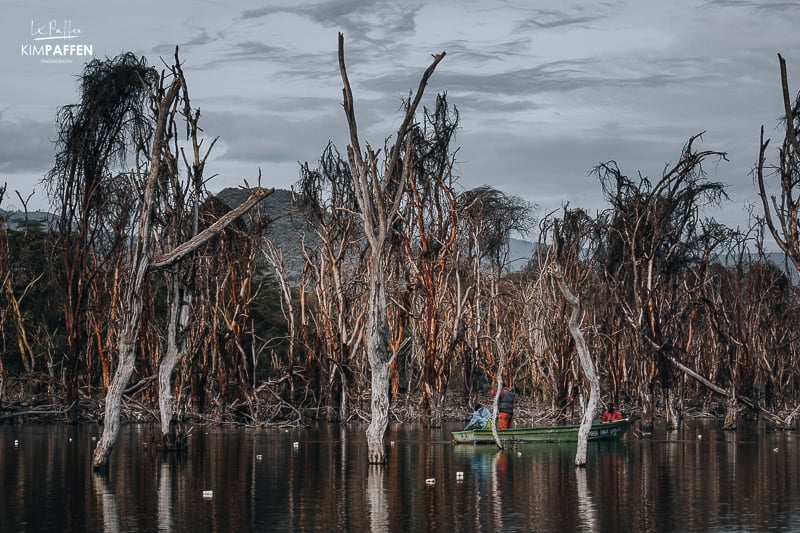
(607,431)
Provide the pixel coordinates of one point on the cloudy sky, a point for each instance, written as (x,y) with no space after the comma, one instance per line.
(546,90)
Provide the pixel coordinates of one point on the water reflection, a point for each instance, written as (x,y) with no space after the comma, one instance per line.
(500,471)
(107,501)
(376,498)
(748,481)
(165,498)
(585,506)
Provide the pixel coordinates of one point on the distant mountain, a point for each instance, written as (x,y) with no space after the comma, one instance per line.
(16,219)
(287,228)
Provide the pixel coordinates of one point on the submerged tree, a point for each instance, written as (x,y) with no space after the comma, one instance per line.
(581,347)
(429,252)
(379,192)
(332,320)
(655,234)
(156,172)
(88,187)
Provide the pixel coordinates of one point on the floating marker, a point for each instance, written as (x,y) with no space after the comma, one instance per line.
(775,450)
(258,457)
(296,444)
(699,437)
(16,443)
(208,494)
(459,475)
(430,481)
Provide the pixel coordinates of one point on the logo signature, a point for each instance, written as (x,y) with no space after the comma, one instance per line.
(52,42)
(52,30)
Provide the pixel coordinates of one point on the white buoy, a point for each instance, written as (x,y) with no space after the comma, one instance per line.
(16,443)
(699,437)
(208,494)
(258,457)
(459,475)
(430,481)
(775,450)
(296,444)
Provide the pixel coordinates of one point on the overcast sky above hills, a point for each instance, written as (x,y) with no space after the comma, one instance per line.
(546,90)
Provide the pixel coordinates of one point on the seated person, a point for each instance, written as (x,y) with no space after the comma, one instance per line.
(480,418)
(611,414)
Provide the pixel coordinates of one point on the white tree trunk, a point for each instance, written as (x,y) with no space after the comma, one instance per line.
(378,355)
(379,212)
(134,292)
(125,362)
(380,413)
(172,435)
(587,364)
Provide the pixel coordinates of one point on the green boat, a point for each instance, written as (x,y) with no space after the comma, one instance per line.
(603,431)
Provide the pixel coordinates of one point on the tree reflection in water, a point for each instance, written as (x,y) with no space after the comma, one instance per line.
(107,501)
(376,498)
(586,508)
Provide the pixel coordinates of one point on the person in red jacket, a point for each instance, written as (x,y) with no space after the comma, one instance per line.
(505,408)
(611,414)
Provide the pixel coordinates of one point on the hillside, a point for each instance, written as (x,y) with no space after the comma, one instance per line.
(287,229)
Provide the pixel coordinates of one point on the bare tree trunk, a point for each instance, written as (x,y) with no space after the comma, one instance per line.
(380,413)
(587,363)
(496,402)
(719,390)
(134,294)
(378,354)
(673,422)
(731,410)
(172,435)
(379,199)
(142,264)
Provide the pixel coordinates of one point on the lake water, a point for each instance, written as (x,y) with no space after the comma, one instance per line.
(316,479)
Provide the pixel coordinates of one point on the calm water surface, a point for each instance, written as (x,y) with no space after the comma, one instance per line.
(317,479)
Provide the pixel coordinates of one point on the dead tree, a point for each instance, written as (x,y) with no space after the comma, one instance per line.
(487,219)
(429,251)
(655,233)
(95,137)
(585,357)
(142,261)
(379,196)
(782,215)
(334,308)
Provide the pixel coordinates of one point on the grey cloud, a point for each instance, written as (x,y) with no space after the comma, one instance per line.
(772,6)
(559,168)
(26,148)
(277,137)
(367,22)
(557,76)
(554,22)
(249,50)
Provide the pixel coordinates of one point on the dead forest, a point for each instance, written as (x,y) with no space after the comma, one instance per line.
(145,291)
